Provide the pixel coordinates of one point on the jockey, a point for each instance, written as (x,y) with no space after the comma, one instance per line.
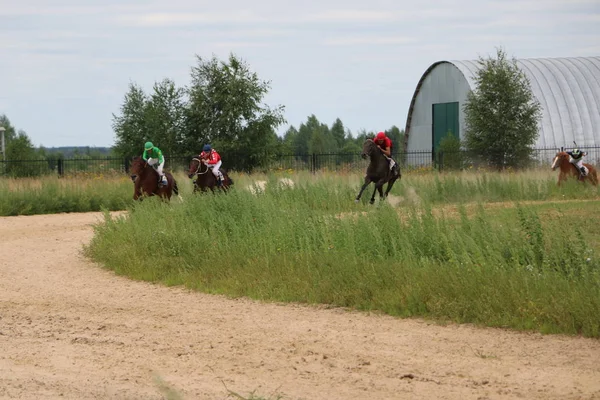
(576,158)
(213,160)
(385,145)
(154,157)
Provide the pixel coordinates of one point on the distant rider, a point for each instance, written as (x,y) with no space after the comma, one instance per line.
(154,157)
(213,160)
(385,145)
(576,158)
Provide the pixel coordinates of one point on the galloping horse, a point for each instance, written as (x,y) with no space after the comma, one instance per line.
(145,180)
(206,179)
(378,171)
(561,160)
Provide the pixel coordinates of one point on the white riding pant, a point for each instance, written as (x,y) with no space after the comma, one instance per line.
(215,169)
(159,167)
(578,163)
(391,160)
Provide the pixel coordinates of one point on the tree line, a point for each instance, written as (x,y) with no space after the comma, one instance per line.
(223,105)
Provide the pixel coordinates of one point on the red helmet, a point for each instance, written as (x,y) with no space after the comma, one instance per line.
(380,136)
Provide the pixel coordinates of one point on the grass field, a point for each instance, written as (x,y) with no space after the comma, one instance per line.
(508,250)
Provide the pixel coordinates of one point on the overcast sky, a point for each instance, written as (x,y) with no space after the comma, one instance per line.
(65,64)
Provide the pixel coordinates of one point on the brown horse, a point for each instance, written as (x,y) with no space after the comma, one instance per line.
(561,160)
(146,181)
(206,179)
(378,171)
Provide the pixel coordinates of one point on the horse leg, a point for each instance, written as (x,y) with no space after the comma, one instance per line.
(377,188)
(382,196)
(389,186)
(362,189)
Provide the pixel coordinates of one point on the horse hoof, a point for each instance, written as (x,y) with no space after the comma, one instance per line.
(371,201)
(356,200)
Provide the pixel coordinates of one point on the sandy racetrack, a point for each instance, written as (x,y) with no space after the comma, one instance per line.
(71,330)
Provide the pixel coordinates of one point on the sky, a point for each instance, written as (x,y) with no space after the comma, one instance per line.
(65,65)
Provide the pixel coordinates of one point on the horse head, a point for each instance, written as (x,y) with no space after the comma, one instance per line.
(197,166)
(368,147)
(137,166)
(559,159)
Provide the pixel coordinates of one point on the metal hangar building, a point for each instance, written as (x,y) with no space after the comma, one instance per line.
(568,90)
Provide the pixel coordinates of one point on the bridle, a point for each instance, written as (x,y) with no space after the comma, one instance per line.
(200,162)
(372,147)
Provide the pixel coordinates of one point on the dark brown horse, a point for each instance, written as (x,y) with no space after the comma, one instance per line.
(567,169)
(378,171)
(206,179)
(146,181)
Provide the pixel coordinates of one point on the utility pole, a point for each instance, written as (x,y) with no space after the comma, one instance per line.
(3,147)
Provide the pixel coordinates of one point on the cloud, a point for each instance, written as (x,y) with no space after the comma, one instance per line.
(344,15)
(368,40)
(166,19)
(20,9)
(239,44)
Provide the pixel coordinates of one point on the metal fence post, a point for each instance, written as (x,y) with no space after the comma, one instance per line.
(60,166)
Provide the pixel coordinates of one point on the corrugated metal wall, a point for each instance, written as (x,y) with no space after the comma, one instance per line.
(444,84)
(568,90)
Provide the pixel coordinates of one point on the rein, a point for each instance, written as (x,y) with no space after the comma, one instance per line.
(199,165)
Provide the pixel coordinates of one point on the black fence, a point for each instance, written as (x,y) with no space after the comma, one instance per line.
(274,162)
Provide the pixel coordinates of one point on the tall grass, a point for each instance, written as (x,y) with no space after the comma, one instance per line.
(91,192)
(526,267)
(469,186)
(79,193)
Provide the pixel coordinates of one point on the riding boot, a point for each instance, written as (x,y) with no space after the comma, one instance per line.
(163,180)
(582,169)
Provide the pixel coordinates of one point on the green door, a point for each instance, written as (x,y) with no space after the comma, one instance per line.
(445,119)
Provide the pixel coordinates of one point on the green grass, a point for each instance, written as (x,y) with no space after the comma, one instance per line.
(82,193)
(525,265)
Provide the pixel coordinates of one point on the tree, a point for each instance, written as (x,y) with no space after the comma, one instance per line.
(19,151)
(338,133)
(225,109)
(131,126)
(450,155)
(289,138)
(10,131)
(397,137)
(501,113)
(165,117)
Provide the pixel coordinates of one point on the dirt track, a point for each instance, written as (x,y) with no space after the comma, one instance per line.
(71,330)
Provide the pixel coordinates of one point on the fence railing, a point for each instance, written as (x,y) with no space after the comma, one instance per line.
(349,162)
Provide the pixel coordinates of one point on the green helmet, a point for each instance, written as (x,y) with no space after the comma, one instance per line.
(148,146)
(576,151)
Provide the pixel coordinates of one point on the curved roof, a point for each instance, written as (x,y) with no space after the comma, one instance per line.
(568,90)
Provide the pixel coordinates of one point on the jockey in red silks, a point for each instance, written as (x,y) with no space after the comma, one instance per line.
(213,160)
(385,145)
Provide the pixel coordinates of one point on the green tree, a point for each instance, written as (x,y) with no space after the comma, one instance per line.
(131,126)
(450,154)
(397,137)
(24,159)
(289,138)
(338,133)
(302,139)
(501,113)
(226,109)
(10,131)
(165,117)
